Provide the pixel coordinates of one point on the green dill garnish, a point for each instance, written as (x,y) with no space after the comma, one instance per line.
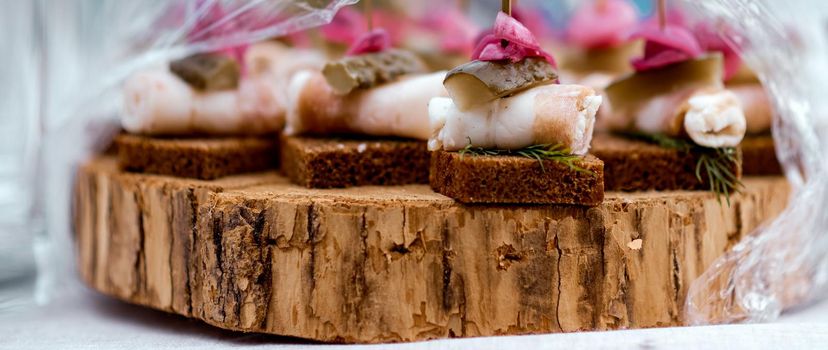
(714,163)
(556,153)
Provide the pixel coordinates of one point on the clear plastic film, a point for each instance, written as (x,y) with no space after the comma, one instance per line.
(783,263)
(87,48)
(110,40)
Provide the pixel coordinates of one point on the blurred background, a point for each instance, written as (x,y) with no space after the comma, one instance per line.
(19,131)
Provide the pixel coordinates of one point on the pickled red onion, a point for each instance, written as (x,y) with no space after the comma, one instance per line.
(349,26)
(533,19)
(456,31)
(665,46)
(519,42)
(376,40)
(601,26)
(345,28)
(395,24)
(711,40)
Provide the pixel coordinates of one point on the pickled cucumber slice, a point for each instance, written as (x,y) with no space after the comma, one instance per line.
(612,60)
(369,70)
(478,82)
(207,72)
(631,91)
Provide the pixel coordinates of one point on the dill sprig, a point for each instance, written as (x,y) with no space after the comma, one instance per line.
(557,153)
(714,163)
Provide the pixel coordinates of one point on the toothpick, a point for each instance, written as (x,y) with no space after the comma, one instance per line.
(662,15)
(506,7)
(369,14)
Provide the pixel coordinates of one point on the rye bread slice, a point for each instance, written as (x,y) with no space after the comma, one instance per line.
(759,156)
(324,162)
(516,180)
(633,165)
(204,158)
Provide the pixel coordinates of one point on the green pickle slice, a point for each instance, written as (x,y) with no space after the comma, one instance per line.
(637,88)
(478,82)
(207,72)
(369,70)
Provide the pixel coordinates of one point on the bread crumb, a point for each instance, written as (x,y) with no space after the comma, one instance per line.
(635,244)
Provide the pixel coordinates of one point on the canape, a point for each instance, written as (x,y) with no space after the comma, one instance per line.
(208,112)
(675,100)
(374,95)
(509,133)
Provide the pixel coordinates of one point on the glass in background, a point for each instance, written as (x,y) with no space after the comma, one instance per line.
(19,130)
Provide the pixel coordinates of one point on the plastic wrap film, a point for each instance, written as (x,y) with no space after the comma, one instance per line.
(784,263)
(87,48)
(110,40)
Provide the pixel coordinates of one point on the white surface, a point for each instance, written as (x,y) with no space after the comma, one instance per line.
(86,320)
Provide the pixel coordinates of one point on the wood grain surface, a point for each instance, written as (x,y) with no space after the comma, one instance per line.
(255,253)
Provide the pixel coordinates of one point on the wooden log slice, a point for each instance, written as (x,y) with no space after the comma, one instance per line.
(255,253)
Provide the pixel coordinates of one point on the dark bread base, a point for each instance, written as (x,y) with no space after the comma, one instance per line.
(632,165)
(514,179)
(759,156)
(204,158)
(317,162)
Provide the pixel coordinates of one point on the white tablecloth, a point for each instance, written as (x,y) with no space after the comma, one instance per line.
(83,319)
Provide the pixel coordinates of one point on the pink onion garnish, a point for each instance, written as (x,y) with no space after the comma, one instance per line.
(675,16)
(394,24)
(713,41)
(345,28)
(665,46)
(300,39)
(510,40)
(349,26)
(597,26)
(452,27)
(533,20)
(376,40)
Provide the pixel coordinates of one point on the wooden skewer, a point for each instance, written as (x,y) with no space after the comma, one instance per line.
(662,14)
(506,7)
(369,14)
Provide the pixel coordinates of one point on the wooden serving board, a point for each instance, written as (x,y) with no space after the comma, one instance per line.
(255,253)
